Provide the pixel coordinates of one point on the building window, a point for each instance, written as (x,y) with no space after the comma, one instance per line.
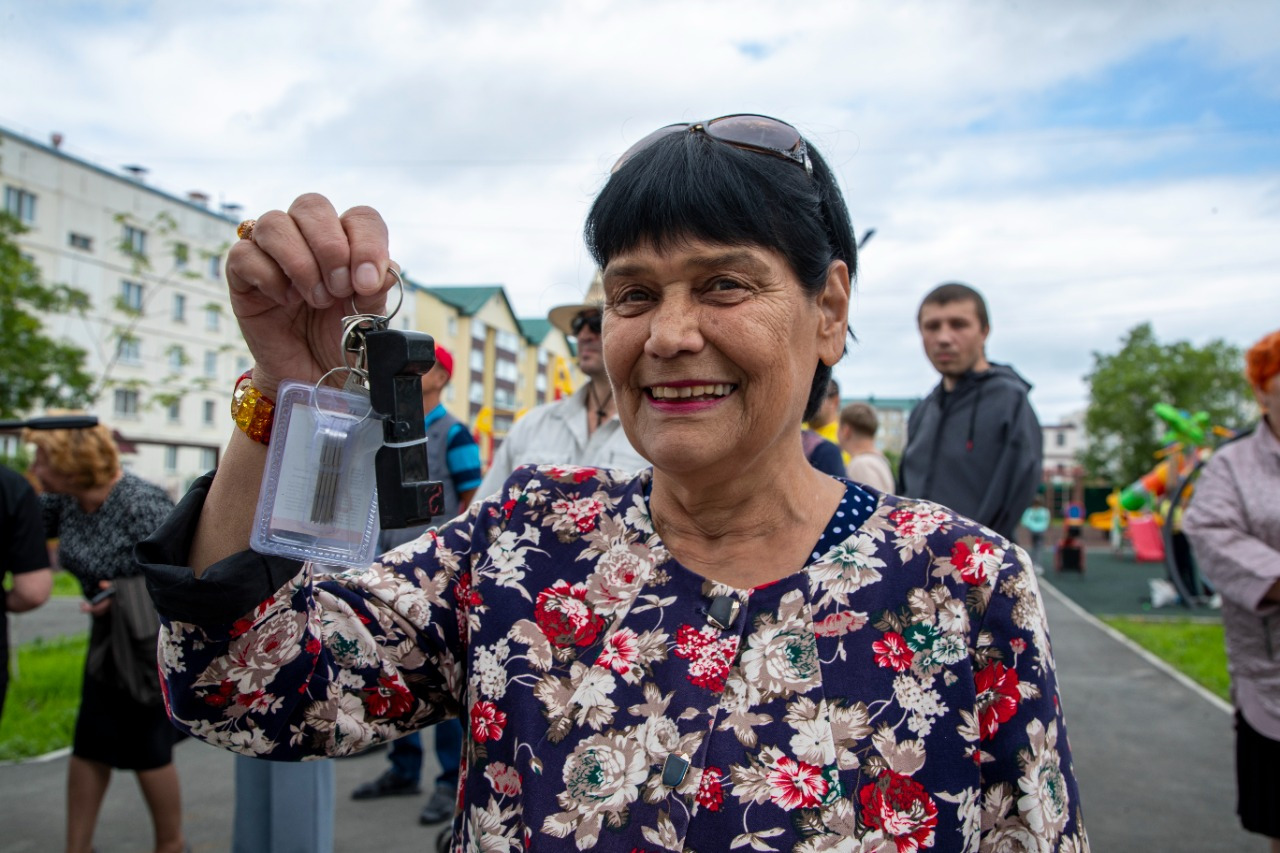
(80,241)
(129,350)
(179,308)
(131,296)
(126,403)
(212,318)
(477,392)
(177,359)
(208,458)
(453,327)
(170,459)
(507,371)
(542,356)
(242,364)
(211,364)
(215,266)
(477,361)
(21,204)
(175,411)
(1061,439)
(210,409)
(135,240)
(507,341)
(181,255)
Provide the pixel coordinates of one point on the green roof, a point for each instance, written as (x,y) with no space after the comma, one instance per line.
(468,299)
(534,329)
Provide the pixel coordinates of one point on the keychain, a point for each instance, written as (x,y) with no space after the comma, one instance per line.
(340,458)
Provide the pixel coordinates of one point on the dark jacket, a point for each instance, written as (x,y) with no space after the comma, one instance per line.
(976,449)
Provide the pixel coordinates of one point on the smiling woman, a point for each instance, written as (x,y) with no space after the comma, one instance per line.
(727,650)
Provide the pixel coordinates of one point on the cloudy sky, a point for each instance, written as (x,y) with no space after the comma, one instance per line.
(1087,165)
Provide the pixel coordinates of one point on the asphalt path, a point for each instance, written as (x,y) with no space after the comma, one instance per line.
(1153,754)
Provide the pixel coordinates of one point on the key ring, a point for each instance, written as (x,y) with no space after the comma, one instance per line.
(319,386)
(399,303)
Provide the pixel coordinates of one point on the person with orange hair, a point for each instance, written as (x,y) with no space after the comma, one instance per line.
(1233,523)
(98,512)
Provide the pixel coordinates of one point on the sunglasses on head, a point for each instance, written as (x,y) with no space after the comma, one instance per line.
(590,320)
(742,130)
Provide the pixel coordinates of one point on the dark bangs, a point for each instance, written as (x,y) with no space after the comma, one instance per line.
(688,186)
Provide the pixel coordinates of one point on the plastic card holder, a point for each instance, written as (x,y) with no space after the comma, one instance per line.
(319,497)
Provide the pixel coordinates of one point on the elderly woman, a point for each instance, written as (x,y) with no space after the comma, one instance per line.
(730,649)
(1233,523)
(98,513)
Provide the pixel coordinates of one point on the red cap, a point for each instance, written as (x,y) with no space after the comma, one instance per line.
(444,358)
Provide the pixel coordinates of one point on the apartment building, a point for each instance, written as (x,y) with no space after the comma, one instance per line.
(159,333)
(503,364)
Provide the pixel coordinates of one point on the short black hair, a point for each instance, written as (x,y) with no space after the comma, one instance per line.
(689,186)
(954,291)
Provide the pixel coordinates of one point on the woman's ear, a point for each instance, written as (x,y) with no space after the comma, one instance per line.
(833,313)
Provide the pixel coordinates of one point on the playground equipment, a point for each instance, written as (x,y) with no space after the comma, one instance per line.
(1156,499)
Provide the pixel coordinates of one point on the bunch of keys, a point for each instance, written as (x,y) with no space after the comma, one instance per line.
(344,463)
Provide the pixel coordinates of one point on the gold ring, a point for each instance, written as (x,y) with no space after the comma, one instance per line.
(245,229)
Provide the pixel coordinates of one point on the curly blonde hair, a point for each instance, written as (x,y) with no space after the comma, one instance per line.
(87,456)
(1262,361)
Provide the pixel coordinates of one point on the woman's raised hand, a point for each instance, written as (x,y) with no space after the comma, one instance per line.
(296,276)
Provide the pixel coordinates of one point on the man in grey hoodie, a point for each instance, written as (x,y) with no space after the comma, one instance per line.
(974,444)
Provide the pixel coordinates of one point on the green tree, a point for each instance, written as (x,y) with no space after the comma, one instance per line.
(37,371)
(1124,434)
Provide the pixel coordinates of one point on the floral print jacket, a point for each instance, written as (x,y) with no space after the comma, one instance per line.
(898,694)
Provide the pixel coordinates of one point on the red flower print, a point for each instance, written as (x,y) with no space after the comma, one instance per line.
(564,617)
(837,624)
(909,525)
(998,697)
(710,792)
(240,626)
(795,784)
(973,563)
(620,651)
(487,722)
(711,656)
(892,652)
(313,646)
(900,807)
(1018,645)
(583,474)
(504,779)
(222,697)
(389,699)
(582,512)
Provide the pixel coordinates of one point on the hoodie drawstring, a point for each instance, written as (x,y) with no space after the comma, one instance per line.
(973,418)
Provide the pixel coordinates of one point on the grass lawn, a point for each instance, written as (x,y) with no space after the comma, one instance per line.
(44,694)
(65,584)
(1194,647)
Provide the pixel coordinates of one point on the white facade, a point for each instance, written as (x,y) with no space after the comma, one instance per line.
(1063,444)
(160,334)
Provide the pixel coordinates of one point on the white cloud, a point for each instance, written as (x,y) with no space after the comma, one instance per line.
(483,130)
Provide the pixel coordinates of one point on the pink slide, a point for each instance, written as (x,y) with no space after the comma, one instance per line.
(1148,544)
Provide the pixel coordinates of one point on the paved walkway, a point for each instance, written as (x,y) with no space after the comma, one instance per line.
(1153,755)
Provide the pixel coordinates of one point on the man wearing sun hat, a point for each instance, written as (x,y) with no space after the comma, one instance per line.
(451,450)
(581,429)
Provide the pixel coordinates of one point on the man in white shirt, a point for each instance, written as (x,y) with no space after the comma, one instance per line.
(581,429)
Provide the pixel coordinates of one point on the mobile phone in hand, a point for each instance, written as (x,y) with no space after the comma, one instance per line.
(103,595)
